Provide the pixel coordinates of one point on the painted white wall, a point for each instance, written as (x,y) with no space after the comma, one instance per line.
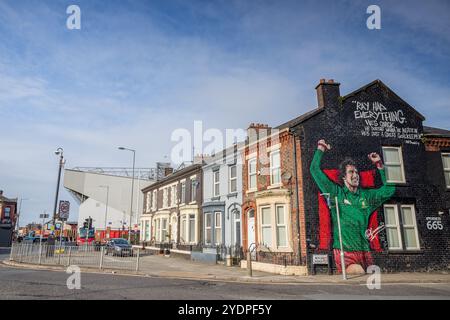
(119,198)
(208,185)
(96,210)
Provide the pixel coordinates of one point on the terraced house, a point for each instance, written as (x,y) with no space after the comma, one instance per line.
(364,160)
(271,196)
(7,219)
(222,196)
(368,156)
(172,208)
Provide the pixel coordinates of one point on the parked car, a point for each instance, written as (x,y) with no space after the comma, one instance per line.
(33,240)
(119,247)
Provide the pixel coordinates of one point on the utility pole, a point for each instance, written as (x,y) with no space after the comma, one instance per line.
(132,189)
(106,209)
(59,152)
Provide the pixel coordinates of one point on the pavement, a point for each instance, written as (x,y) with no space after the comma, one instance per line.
(172,267)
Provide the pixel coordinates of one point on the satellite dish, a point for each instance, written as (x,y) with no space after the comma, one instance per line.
(286,176)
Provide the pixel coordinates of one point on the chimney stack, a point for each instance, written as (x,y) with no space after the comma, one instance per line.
(256,131)
(168,171)
(328,93)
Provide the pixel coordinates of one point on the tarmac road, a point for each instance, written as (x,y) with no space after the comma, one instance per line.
(16,283)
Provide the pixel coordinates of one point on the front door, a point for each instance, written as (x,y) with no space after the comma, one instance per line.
(251,227)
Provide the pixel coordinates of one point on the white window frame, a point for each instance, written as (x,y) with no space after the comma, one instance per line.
(217,225)
(264,226)
(277,226)
(155,200)
(401,227)
(183,192)
(391,226)
(164,231)
(157,229)
(183,229)
(208,229)
(236,221)
(9,213)
(414,225)
(232,179)
(147,230)
(148,197)
(193,191)
(402,166)
(165,197)
(272,168)
(251,174)
(189,227)
(174,197)
(446,170)
(216,183)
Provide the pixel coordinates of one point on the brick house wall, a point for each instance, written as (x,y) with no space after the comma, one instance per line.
(265,194)
(352,133)
(174,211)
(7,224)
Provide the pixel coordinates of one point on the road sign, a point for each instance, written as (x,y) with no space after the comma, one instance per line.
(43,216)
(64,208)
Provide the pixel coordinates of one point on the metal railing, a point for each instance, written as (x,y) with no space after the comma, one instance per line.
(262,253)
(93,256)
(236,252)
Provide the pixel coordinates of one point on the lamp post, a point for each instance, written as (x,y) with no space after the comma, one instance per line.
(106,210)
(19,212)
(132,189)
(58,152)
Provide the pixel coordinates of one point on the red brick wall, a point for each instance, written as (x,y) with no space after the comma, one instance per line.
(263,181)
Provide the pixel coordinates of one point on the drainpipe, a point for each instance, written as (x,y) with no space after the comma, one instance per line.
(298,201)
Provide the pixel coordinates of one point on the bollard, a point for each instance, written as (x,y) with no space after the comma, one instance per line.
(229,260)
(101,257)
(137,260)
(249,263)
(11,252)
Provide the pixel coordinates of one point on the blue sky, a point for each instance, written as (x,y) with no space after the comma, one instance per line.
(137,70)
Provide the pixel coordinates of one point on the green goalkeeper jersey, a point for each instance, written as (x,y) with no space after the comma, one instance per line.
(355,208)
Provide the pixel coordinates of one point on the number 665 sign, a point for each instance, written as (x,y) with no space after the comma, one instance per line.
(434,223)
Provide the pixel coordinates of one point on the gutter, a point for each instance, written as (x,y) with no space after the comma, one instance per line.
(299,248)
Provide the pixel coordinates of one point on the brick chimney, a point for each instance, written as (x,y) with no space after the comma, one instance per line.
(328,93)
(168,171)
(257,130)
(202,158)
(1,192)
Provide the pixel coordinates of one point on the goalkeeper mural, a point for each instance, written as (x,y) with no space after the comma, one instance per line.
(356,205)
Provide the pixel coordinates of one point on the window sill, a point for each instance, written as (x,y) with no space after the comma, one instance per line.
(251,191)
(277,250)
(193,202)
(232,195)
(399,184)
(215,198)
(275,186)
(402,251)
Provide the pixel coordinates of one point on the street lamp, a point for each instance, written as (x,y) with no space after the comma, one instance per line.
(58,152)
(106,210)
(19,212)
(132,189)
